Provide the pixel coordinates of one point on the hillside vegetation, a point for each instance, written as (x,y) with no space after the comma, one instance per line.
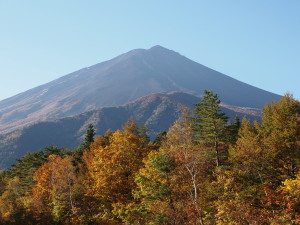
(204,170)
(158,111)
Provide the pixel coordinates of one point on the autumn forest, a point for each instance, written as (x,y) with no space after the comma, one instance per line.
(205,169)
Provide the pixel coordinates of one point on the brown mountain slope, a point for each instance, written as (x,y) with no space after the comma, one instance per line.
(157,111)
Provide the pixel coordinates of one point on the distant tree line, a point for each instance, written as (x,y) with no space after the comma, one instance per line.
(204,170)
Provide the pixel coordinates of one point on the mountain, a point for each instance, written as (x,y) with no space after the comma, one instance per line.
(157,111)
(121,80)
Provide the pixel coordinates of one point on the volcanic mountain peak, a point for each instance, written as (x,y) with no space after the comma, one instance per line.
(121,80)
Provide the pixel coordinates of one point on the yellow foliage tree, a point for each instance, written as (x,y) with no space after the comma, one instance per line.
(192,166)
(53,193)
(281,130)
(10,202)
(112,168)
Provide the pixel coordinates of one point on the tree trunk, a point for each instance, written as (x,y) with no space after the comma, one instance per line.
(217,153)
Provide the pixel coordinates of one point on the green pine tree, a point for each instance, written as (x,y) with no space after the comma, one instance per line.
(209,123)
(89,138)
(160,137)
(143,133)
(233,130)
(90,135)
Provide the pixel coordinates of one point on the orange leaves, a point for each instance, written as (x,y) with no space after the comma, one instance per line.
(111,165)
(9,201)
(53,191)
(112,168)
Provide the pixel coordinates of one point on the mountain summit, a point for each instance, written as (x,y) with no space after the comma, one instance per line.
(121,80)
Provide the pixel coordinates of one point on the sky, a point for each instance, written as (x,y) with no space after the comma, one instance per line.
(254,41)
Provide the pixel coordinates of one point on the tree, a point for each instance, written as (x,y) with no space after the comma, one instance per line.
(111,169)
(232,130)
(209,123)
(54,150)
(11,206)
(154,199)
(192,167)
(267,154)
(281,131)
(248,156)
(53,194)
(17,181)
(172,185)
(88,140)
(25,168)
(143,133)
(159,138)
(235,204)
(89,137)
(251,163)
(289,197)
(3,175)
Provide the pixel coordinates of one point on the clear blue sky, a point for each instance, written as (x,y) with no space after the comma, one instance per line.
(254,41)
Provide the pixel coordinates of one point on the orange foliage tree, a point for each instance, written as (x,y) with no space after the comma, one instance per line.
(111,169)
(53,195)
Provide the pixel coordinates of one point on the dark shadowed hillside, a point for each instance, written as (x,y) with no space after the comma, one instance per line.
(121,80)
(157,111)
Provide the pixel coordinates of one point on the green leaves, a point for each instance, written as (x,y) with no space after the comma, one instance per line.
(209,123)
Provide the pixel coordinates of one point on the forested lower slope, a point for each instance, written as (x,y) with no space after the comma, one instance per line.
(157,111)
(204,170)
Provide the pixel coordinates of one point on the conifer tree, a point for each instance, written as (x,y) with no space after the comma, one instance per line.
(89,137)
(160,137)
(209,123)
(143,133)
(25,169)
(233,129)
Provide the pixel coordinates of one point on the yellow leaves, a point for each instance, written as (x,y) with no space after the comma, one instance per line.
(113,167)
(293,186)
(53,192)
(10,200)
(270,150)
(227,180)
(6,206)
(247,155)
(281,129)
